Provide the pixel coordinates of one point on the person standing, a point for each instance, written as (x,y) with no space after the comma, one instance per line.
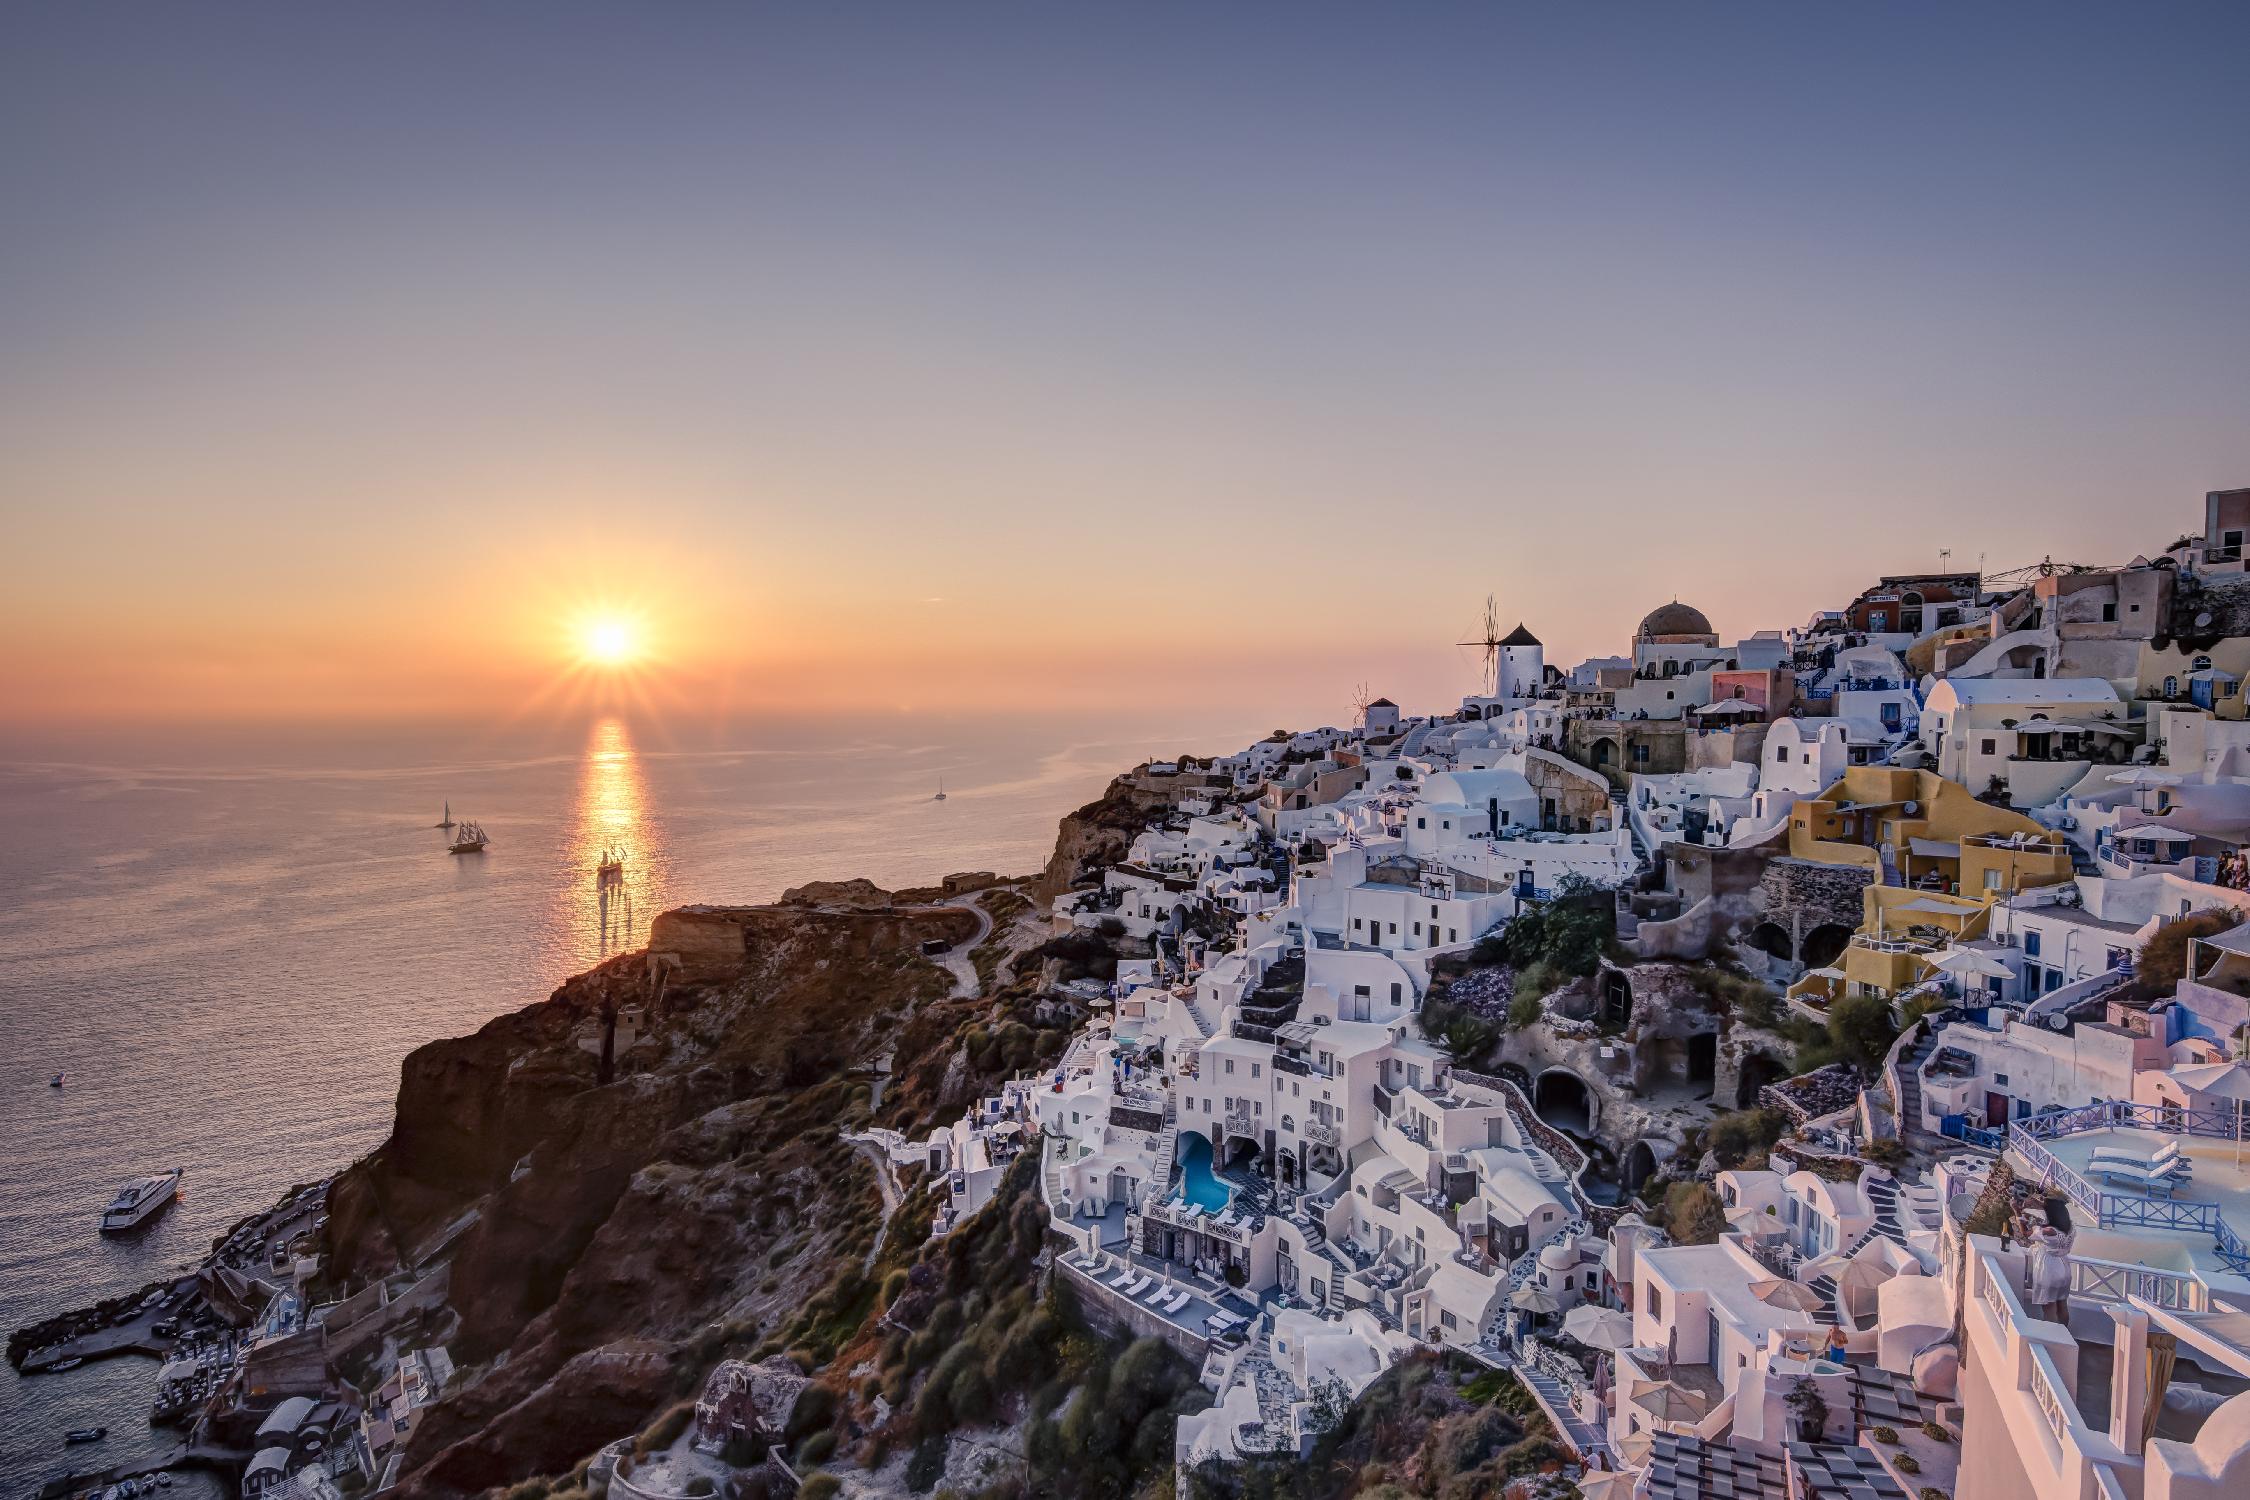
(2050,1244)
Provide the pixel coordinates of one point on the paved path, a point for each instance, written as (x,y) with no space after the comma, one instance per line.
(887,1184)
(957,958)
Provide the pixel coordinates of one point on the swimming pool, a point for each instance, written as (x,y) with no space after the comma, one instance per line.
(1197,1184)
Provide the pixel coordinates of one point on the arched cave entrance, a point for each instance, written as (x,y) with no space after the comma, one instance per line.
(1639,1166)
(1772,938)
(1824,945)
(1562,1099)
(1703,1058)
(1617,999)
(1757,1071)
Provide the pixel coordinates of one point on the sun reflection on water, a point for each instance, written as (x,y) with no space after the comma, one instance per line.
(613,849)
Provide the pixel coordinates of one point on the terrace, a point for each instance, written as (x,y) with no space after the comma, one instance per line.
(2206,1206)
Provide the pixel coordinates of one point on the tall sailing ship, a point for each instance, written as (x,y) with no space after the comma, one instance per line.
(468,839)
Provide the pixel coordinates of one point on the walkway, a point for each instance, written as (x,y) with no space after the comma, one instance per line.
(885,1183)
(957,959)
(1581,1436)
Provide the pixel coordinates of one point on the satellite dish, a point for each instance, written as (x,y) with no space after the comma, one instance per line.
(2057,1021)
(1910,807)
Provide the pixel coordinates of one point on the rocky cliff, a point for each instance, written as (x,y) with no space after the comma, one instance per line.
(1102,832)
(649,1155)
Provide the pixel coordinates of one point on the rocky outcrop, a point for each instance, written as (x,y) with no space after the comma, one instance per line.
(1102,832)
(595,1228)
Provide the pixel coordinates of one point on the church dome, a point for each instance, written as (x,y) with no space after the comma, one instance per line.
(1674,619)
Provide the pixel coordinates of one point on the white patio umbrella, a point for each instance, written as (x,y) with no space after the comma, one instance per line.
(1668,1403)
(1617,1485)
(1599,1327)
(1790,1296)
(1962,963)
(1535,1299)
(2144,776)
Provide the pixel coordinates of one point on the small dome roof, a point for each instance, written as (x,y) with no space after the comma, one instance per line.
(1520,637)
(1674,619)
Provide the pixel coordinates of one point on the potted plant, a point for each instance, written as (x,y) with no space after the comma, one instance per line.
(1807,1410)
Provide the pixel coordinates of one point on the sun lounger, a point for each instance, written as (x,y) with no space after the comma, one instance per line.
(1174,1303)
(1123,1275)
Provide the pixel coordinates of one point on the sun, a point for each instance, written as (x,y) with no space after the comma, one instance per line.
(609,642)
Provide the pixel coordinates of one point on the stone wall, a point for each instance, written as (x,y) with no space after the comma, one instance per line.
(1798,895)
(1120,1317)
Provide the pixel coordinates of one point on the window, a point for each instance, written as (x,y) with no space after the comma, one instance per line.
(1355,924)
(1230,1069)
(2000,1078)
(1655,1300)
(1781,753)
(1446,1318)
(2109,613)
(1253,1070)
(2031,943)
(1990,746)
(1417,929)
(1395,995)
(1421,822)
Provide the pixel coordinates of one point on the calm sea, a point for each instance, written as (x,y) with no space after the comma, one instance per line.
(228,960)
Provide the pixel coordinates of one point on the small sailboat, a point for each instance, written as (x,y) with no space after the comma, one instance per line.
(611,869)
(469,840)
(447,820)
(940,797)
(58,1080)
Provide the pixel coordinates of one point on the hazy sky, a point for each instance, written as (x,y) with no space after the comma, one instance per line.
(1066,355)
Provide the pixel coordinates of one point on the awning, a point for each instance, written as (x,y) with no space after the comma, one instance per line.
(1935,848)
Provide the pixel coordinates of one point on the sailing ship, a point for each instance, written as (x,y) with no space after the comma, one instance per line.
(58,1080)
(940,797)
(140,1200)
(469,840)
(447,820)
(611,870)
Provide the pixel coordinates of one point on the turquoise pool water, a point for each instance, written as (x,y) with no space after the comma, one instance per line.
(1197,1184)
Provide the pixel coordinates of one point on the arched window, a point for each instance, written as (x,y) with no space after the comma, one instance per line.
(2200,664)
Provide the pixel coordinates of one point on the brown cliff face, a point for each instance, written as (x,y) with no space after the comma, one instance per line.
(594,1228)
(1100,833)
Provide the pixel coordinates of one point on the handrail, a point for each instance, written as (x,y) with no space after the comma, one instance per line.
(2116,1210)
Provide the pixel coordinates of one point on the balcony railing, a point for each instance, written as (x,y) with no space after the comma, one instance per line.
(2119,1210)
(2116,1281)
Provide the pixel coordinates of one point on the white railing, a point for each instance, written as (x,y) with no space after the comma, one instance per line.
(2116,1281)
(2048,1393)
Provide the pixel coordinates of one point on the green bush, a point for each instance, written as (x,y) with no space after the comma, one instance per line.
(817,1449)
(1937,1430)
(1693,1214)
(665,1430)
(1908,1463)
(1860,1029)
(820,1487)
(1883,1434)
(1744,1136)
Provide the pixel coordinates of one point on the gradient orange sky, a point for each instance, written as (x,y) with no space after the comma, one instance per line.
(1001,358)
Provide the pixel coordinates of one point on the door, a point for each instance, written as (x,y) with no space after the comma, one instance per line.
(1996,1111)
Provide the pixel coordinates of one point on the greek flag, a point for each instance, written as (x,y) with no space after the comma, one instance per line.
(1352,840)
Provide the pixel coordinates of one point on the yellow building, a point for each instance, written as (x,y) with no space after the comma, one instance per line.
(1940,859)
